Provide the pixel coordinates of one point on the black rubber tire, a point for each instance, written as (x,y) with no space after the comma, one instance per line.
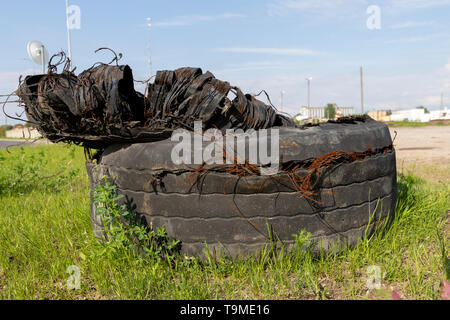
(232,214)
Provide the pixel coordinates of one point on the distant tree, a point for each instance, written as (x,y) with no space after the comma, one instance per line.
(425,109)
(3,130)
(330,111)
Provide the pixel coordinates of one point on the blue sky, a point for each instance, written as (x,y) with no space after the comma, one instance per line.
(272,45)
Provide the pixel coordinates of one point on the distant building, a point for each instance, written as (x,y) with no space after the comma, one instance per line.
(411,115)
(437,115)
(380,115)
(318,113)
(313,112)
(22,132)
(419,115)
(344,111)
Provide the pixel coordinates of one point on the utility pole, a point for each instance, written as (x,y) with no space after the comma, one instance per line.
(442,101)
(149,25)
(282,100)
(362,90)
(309,91)
(43,59)
(69,41)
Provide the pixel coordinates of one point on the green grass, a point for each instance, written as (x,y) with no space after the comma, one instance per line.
(45,228)
(416,124)
(14,139)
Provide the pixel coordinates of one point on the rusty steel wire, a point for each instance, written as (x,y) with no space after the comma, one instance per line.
(100,106)
(305,185)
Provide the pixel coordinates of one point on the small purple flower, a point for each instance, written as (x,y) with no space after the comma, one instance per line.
(445,293)
(395,295)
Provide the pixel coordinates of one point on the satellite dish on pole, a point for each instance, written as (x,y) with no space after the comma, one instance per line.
(38,53)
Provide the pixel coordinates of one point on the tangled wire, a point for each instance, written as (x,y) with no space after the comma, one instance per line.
(100,106)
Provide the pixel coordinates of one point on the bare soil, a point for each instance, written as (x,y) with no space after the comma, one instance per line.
(424,150)
(423,144)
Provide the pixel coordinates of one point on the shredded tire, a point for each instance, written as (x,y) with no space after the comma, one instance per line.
(233,214)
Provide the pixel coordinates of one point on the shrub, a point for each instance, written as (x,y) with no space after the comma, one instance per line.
(24,173)
(125,229)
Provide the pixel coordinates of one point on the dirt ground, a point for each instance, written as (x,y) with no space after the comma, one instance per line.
(424,150)
(17,143)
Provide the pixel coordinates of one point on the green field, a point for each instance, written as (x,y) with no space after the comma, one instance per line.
(416,124)
(45,229)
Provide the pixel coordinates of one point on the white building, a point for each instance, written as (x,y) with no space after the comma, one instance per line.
(440,114)
(319,113)
(22,132)
(419,115)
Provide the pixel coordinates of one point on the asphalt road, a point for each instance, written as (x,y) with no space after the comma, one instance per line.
(9,143)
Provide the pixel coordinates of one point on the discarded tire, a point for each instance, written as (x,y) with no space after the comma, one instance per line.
(336,180)
(231,214)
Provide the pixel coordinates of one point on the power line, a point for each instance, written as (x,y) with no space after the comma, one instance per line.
(69,41)
(362,90)
(309,91)
(149,25)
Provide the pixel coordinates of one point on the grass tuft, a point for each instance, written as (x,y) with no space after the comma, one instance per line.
(45,229)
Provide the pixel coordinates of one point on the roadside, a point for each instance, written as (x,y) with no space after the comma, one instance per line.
(424,151)
(10,143)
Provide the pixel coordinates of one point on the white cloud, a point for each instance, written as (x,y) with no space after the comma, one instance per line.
(318,7)
(415,39)
(447,66)
(407,40)
(346,8)
(192,19)
(9,81)
(411,24)
(381,91)
(253,66)
(308,5)
(271,51)
(416,4)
